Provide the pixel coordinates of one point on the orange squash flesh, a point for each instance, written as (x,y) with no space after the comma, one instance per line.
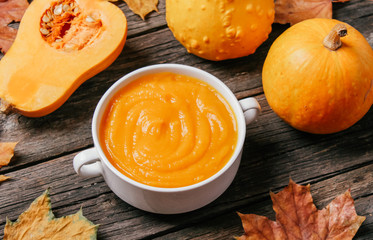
(37,76)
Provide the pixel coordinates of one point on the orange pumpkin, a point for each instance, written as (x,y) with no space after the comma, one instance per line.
(220,29)
(59,45)
(318,76)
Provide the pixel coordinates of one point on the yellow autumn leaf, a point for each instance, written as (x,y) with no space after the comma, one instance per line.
(6,152)
(3,178)
(142,7)
(39,222)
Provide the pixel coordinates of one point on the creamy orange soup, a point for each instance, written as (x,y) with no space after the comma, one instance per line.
(168,130)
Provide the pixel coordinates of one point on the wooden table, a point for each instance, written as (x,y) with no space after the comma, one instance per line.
(273,151)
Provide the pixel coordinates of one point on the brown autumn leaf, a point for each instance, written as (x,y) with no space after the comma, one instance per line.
(10,10)
(7,36)
(298,218)
(294,11)
(39,222)
(142,7)
(6,152)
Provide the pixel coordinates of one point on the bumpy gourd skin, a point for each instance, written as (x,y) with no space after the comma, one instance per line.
(315,89)
(37,76)
(220,29)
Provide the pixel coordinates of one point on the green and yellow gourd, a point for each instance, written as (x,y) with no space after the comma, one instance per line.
(220,29)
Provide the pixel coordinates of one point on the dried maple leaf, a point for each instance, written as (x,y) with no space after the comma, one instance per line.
(6,152)
(39,222)
(10,10)
(298,218)
(294,11)
(142,7)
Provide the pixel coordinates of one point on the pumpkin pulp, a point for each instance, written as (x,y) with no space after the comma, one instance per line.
(168,130)
(65,26)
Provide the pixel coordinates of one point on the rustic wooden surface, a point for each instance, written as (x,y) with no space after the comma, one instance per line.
(273,151)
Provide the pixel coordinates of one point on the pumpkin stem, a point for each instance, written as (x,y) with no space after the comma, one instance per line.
(333,40)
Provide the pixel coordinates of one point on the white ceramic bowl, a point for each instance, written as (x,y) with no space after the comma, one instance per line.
(93,162)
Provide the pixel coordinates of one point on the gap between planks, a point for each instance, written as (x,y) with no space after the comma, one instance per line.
(43,160)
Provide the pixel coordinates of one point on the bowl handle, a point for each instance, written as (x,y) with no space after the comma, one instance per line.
(251,109)
(87,163)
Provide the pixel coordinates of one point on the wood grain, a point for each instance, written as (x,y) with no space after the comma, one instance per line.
(273,151)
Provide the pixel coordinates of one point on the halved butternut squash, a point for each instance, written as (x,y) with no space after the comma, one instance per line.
(59,45)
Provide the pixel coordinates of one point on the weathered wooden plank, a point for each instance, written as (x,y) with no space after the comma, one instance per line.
(242,75)
(117,219)
(268,137)
(273,151)
(34,134)
(277,151)
(228,225)
(137,26)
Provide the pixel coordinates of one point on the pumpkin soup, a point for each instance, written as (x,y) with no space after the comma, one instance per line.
(168,130)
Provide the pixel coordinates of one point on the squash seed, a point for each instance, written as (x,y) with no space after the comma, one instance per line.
(76,10)
(89,19)
(49,14)
(45,18)
(58,10)
(66,7)
(44,31)
(58,40)
(69,46)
